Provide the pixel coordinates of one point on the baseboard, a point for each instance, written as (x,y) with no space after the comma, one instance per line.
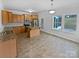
(61,37)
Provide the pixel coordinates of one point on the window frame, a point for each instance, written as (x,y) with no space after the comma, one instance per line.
(75,24)
(56,22)
(63,22)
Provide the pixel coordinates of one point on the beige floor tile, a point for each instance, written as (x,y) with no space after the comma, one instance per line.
(46,46)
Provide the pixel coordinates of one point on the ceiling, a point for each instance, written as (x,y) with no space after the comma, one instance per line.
(37,5)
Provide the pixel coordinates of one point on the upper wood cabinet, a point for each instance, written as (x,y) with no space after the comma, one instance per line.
(14,16)
(31,17)
(27,17)
(10,17)
(35,17)
(22,17)
(5,18)
(18,18)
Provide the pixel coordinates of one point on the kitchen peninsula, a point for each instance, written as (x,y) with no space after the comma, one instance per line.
(8,45)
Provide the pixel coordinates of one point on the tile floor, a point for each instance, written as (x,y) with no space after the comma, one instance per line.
(46,46)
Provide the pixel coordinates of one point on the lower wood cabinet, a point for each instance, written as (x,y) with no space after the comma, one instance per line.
(8,49)
(19,29)
(33,32)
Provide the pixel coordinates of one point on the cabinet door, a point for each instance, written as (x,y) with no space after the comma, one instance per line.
(22,29)
(15,18)
(19,18)
(27,17)
(13,50)
(35,17)
(22,19)
(8,49)
(4,49)
(10,17)
(5,17)
(15,30)
(30,17)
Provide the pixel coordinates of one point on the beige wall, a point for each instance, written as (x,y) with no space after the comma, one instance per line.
(66,10)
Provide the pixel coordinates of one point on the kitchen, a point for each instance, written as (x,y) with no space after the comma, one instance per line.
(13,25)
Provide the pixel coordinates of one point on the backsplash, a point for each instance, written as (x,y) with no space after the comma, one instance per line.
(13,24)
(9,26)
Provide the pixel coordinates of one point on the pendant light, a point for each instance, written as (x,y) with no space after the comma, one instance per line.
(51,11)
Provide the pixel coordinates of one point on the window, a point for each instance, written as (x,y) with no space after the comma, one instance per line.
(70,23)
(57,22)
(42,23)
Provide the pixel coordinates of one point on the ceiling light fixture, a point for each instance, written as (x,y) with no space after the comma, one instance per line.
(30,10)
(51,11)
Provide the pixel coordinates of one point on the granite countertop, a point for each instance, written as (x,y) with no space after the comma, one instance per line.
(33,28)
(4,36)
(13,24)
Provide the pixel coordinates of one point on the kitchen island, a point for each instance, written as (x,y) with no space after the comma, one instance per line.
(32,32)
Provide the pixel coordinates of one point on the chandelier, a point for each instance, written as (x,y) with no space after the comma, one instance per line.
(51,11)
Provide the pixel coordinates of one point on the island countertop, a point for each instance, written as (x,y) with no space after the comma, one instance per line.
(7,36)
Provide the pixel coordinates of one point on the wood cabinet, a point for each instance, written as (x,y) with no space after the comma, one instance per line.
(30,32)
(27,17)
(5,18)
(18,18)
(10,17)
(36,31)
(31,17)
(14,16)
(22,18)
(8,48)
(35,17)
(19,29)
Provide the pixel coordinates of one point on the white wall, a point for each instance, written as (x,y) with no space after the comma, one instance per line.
(47,20)
(1,7)
(66,10)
